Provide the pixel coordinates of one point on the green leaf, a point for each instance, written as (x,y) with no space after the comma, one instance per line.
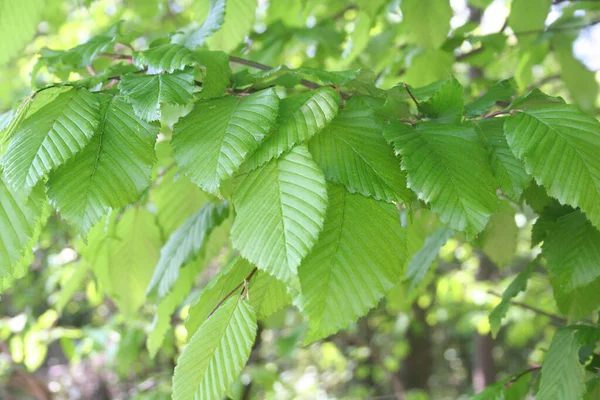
(501,235)
(526,16)
(502,91)
(176,199)
(195,37)
(433,31)
(460,189)
(167,306)
(185,244)
(217,352)
(72,284)
(359,256)
(580,81)
(239,20)
(572,249)
(519,284)
(230,277)
(111,172)
(216,73)
(212,141)
(352,152)
(50,136)
(267,295)
(82,55)
(446,105)
(21,219)
(300,117)
(508,170)
(421,262)
(358,39)
(560,145)
(280,212)
(123,254)
(429,66)
(148,92)
(18,23)
(563,376)
(164,58)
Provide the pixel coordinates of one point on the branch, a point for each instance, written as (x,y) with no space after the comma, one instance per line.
(499,112)
(405,86)
(559,28)
(263,67)
(534,367)
(228,295)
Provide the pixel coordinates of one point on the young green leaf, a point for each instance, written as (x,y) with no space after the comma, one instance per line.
(213,140)
(352,151)
(446,105)
(184,245)
(300,118)
(18,23)
(354,263)
(164,58)
(508,170)
(216,73)
(500,237)
(560,145)
(21,218)
(267,295)
(502,91)
(280,212)
(228,278)
(432,33)
(421,262)
(51,136)
(217,352)
(239,20)
(563,376)
(123,260)
(148,92)
(518,285)
(111,172)
(460,189)
(195,37)
(82,55)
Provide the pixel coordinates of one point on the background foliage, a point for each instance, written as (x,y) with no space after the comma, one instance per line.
(415,135)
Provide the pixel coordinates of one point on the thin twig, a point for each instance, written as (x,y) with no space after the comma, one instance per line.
(558,28)
(527,371)
(555,318)
(405,86)
(243,283)
(263,67)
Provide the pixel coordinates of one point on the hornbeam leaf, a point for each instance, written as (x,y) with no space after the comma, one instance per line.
(352,151)
(509,171)
(280,212)
(239,20)
(518,285)
(572,249)
(21,218)
(460,189)
(123,254)
(228,278)
(185,244)
(18,23)
(438,13)
(216,73)
(51,136)
(83,54)
(212,141)
(563,375)
(359,257)
(111,172)
(300,118)
(195,37)
(217,352)
(164,58)
(167,306)
(148,92)
(559,145)
(421,261)
(267,295)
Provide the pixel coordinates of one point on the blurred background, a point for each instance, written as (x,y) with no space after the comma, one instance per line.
(61,337)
